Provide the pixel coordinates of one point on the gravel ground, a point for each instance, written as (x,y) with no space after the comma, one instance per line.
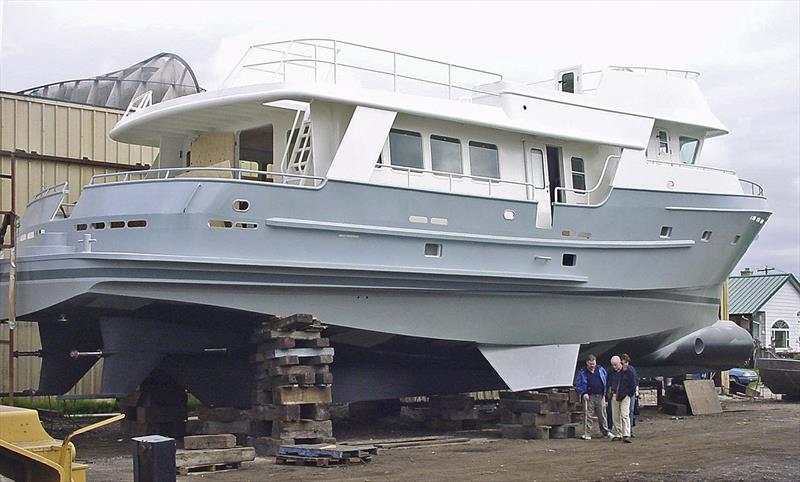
(750,440)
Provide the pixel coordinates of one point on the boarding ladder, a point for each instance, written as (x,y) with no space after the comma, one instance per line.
(297,157)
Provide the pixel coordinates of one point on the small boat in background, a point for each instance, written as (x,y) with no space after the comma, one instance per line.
(780,375)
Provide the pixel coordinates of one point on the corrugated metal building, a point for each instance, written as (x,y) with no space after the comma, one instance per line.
(52,142)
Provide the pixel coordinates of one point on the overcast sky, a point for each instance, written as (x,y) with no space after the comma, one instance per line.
(748,54)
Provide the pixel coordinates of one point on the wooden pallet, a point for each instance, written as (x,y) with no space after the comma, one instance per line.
(318,461)
(202,469)
(329,450)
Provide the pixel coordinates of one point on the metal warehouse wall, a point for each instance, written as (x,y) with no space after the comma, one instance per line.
(55,142)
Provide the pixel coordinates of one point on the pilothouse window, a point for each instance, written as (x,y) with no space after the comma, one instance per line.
(405,148)
(688,149)
(484,160)
(446,154)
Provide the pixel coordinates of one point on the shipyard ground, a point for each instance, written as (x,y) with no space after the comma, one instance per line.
(751,440)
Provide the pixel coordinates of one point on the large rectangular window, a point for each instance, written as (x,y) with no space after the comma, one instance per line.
(688,149)
(484,160)
(578,174)
(405,148)
(446,154)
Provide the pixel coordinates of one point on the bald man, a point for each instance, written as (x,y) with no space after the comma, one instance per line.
(622,388)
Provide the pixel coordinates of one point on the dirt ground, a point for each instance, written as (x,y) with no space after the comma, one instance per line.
(750,440)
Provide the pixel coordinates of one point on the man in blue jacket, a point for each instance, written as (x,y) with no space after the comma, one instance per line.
(622,389)
(591,385)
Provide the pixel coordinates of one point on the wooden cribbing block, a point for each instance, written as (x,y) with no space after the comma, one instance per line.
(304,370)
(294,379)
(195,458)
(314,343)
(264,333)
(524,406)
(512,430)
(539,432)
(277,412)
(215,428)
(302,429)
(300,321)
(221,441)
(323,378)
(295,395)
(318,360)
(314,411)
(221,414)
(552,419)
(299,352)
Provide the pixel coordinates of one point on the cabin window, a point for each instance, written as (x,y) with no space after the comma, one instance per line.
(405,148)
(663,143)
(688,149)
(446,154)
(780,334)
(578,174)
(537,166)
(484,160)
(567,82)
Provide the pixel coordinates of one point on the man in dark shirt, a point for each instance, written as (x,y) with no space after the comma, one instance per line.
(622,388)
(591,385)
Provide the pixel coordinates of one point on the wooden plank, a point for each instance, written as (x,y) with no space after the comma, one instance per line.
(302,429)
(703,398)
(299,352)
(277,412)
(263,334)
(194,458)
(221,441)
(296,395)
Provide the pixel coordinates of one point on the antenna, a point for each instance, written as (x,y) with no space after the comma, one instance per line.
(766,269)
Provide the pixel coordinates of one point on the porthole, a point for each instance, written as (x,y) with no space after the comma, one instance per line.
(117,224)
(508,215)
(706,237)
(241,205)
(569,259)
(137,223)
(666,232)
(98,225)
(81,227)
(219,223)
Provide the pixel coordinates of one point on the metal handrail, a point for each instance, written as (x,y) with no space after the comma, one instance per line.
(586,192)
(687,74)
(755,188)
(64,187)
(691,166)
(451,175)
(300,62)
(333,46)
(126,176)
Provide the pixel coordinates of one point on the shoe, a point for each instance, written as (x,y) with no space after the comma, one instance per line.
(615,439)
(609,435)
(586,437)
(627,440)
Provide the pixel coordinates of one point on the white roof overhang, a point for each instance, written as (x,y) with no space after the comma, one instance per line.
(243,107)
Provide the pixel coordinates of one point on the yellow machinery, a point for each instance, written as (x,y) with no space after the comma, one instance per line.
(29,454)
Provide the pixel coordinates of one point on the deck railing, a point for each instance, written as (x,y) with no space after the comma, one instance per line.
(330,60)
(587,192)
(489,181)
(250,175)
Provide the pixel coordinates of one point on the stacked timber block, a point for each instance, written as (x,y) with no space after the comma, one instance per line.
(452,412)
(156,407)
(222,420)
(211,453)
(539,414)
(291,401)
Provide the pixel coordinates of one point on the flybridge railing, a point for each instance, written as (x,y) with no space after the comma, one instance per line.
(686,74)
(339,62)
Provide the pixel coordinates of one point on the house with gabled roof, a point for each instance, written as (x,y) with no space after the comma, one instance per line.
(769,307)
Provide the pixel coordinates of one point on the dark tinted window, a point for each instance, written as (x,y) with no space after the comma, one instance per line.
(446,154)
(405,148)
(578,174)
(484,160)
(568,82)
